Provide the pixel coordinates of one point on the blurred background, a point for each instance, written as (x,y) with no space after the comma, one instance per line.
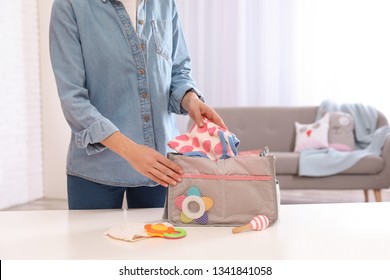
(244,53)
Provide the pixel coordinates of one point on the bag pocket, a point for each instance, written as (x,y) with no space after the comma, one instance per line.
(162,34)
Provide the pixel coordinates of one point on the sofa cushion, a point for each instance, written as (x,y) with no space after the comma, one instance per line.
(367,165)
(287,163)
(271,126)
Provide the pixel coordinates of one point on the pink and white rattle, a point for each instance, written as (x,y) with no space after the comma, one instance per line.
(259,222)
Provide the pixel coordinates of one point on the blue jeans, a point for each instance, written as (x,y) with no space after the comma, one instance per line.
(84,194)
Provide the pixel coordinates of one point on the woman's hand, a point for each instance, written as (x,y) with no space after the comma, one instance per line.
(155,166)
(198,110)
(145,160)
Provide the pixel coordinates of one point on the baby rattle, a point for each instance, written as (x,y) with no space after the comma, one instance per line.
(259,222)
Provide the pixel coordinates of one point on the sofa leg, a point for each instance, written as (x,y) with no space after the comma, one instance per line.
(377,194)
(366,195)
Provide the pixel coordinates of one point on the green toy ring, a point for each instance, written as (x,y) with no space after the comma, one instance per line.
(179,233)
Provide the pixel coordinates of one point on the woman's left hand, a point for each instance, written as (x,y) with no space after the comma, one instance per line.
(197,110)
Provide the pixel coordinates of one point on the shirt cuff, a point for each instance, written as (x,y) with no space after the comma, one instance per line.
(91,137)
(177,97)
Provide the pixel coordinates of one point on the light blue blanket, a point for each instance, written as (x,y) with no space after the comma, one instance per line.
(368,141)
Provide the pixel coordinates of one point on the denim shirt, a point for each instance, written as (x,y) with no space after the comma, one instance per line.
(116,75)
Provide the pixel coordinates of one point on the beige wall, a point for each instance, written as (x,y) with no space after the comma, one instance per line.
(56,132)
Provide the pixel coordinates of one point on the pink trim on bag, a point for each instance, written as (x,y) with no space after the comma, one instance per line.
(229,177)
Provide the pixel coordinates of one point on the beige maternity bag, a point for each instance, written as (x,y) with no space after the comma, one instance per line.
(223,192)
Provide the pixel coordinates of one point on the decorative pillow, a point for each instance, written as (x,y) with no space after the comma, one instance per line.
(312,136)
(341,126)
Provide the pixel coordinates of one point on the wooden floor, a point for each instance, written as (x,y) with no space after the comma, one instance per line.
(287,197)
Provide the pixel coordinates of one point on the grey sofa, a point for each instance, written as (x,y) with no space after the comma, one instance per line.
(257,127)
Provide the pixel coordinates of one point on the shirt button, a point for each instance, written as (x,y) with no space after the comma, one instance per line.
(144,95)
(146,118)
(141,71)
(141,21)
(143,46)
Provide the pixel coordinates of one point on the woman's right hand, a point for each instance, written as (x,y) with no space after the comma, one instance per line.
(145,160)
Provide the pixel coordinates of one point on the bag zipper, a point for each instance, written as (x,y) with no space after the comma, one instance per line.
(228,177)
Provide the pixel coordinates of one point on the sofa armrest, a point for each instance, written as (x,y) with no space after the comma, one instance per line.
(386,152)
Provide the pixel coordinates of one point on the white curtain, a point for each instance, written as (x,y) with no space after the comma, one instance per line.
(20,104)
(343,51)
(289,52)
(240,49)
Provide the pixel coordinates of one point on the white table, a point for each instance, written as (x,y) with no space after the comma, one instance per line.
(313,231)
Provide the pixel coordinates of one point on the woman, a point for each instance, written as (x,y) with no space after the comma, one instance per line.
(120,82)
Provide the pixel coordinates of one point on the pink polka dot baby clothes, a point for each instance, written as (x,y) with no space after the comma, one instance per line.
(209,141)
